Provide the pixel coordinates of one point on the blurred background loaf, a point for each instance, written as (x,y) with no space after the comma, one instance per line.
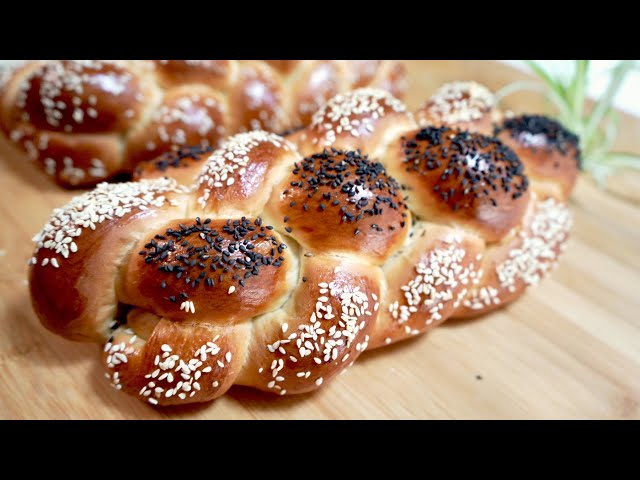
(86,121)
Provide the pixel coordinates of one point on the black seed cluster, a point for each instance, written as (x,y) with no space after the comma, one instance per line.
(469,167)
(216,255)
(181,157)
(346,174)
(556,135)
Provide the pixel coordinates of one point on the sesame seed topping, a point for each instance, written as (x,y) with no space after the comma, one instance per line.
(352,113)
(232,158)
(536,255)
(533,257)
(440,279)
(459,102)
(326,334)
(188,306)
(62,88)
(87,211)
(161,381)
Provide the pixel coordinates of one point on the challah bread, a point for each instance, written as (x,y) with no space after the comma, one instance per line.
(275,269)
(88,121)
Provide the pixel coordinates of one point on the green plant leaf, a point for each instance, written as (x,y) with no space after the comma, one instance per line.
(524,85)
(556,92)
(604,104)
(578,87)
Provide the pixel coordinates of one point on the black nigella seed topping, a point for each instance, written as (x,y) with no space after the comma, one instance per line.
(205,249)
(523,127)
(467,167)
(357,186)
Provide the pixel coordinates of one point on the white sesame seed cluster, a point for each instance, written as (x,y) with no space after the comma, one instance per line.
(189,109)
(540,246)
(321,344)
(435,285)
(121,113)
(530,257)
(71,78)
(229,162)
(481,298)
(459,102)
(171,374)
(106,202)
(351,112)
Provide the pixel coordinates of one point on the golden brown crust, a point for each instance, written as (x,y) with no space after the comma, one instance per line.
(183,165)
(76,160)
(362,72)
(11,82)
(107,116)
(213,73)
(284,66)
(81,249)
(467,106)
(319,82)
(81,97)
(237,178)
(426,281)
(187,116)
(319,332)
(257,100)
(550,153)
(203,270)
(339,201)
(391,77)
(461,179)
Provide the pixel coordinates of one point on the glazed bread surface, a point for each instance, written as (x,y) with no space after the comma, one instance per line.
(264,266)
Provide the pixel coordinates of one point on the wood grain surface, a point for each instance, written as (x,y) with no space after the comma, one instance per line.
(569,348)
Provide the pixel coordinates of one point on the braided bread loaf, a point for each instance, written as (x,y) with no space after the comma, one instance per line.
(88,121)
(279,261)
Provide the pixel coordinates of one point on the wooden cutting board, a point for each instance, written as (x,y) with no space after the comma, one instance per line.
(567,349)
